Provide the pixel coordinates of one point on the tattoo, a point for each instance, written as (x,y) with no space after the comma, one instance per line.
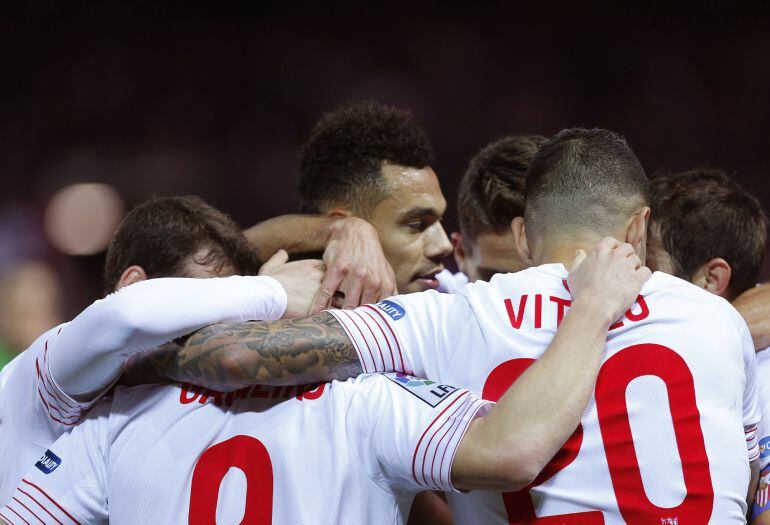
(226,357)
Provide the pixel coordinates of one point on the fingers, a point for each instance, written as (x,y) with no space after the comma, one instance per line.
(580,256)
(352,287)
(278,259)
(325,293)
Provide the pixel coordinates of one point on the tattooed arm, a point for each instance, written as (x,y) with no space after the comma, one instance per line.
(226,357)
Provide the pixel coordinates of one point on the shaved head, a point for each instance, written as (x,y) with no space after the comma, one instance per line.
(583,181)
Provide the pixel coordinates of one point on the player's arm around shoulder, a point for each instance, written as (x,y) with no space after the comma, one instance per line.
(754,306)
(508,447)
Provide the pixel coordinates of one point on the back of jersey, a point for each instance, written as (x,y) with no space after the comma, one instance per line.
(661,442)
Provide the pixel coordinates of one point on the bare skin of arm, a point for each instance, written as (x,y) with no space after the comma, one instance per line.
(226,357)
(430,508)
(754,306)
(356,265)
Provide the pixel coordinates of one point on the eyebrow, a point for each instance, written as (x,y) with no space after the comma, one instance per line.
(415,213)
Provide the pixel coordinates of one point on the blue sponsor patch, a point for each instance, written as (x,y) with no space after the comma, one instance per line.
(764,447)
(48,463)
(394,310)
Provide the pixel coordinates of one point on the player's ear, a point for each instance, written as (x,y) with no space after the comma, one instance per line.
(714,276)
(132,274)
(339,213)
(520,240)
(636,230)
(459,250)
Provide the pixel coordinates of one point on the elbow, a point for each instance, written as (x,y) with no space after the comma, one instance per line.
(518,471)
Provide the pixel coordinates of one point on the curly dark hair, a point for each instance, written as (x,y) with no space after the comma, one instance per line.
(340,164)
(703,213)
(161,235)
(491,192)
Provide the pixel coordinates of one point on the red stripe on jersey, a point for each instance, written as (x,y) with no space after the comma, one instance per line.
(39,505)
(28,510)
(368,348)
(19,515)
(6,518)
(64,406)
(48,409)
(50,379)
(398,345)
(41,491)
(390,349)
(353,315)
(355,345)
(460,423)
(417,448)
(462,406)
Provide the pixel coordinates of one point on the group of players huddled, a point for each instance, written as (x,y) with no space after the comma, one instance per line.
(325,368)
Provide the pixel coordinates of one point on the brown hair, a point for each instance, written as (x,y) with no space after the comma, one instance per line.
(584,180)
(162,234)
(491,193)
(702,214)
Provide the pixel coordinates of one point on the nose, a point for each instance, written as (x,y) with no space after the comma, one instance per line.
(438,245)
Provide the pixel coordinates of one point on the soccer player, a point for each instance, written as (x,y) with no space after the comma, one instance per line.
(47,389)
(669,435)
(345,452)
(490,195)
(371,163)
(708,230)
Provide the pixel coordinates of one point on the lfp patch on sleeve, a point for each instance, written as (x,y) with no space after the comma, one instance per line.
(48,463)
(764,447)
(426,390)
(394,310)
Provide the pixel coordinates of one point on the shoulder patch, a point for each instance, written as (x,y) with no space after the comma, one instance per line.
(428,391)
(764,447)
(394,310)
(48,462)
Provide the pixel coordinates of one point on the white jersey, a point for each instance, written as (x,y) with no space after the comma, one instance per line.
(662,441)
(449,282)
(344,452)
(40,388)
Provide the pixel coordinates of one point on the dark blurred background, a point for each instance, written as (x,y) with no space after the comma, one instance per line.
(214,100)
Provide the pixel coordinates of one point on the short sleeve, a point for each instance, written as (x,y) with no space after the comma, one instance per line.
(752,415)
(67,485)
(407,430)
(413,333)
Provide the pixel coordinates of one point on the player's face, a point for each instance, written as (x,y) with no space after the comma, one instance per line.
(658,259)
(488,254)
(409,224)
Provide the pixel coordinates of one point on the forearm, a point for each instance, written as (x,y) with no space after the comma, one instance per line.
(539,412)
(293,233)
(227,357)
(754,306)
(90,352)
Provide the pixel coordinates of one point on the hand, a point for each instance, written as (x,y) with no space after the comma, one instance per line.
(300,279)
(608,278)
(355,266)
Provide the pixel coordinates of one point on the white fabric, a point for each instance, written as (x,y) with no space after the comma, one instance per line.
(345,452)
(763,436)
(463,337)
(449,282)
(86,355)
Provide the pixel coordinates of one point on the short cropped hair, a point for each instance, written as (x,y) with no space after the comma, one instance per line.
(702,214)
(340,164)
(491,192)
(584,180)
(162,234)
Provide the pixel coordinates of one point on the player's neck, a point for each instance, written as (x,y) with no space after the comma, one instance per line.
(561,252)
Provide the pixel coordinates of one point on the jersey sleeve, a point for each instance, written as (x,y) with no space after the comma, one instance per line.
(67,485)
(752,415)
(87,356)
(407,430)
(411,333)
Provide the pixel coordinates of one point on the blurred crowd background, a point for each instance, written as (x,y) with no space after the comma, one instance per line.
(104,104)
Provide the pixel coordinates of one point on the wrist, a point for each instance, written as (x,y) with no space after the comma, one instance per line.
(593,311)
